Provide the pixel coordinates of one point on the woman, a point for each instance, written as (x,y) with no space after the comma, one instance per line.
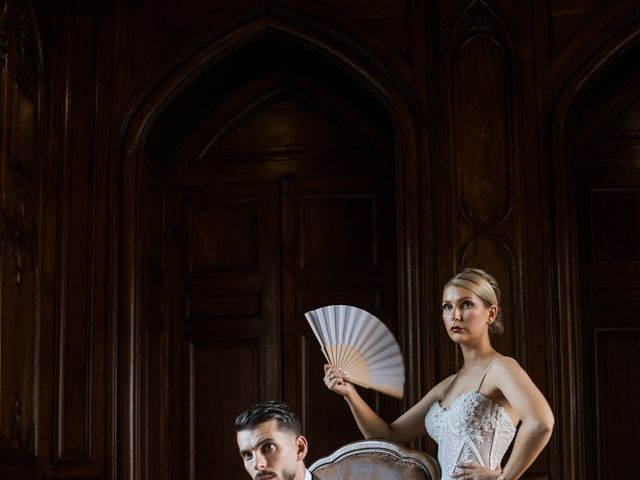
(473,414)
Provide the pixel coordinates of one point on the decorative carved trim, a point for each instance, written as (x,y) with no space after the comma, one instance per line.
(4,35)
(15,230)
(28,67)
(14,441)
(480,24)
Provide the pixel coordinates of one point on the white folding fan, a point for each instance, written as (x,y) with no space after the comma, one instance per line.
(357,342)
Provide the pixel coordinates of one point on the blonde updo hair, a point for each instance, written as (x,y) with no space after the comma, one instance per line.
(485,287)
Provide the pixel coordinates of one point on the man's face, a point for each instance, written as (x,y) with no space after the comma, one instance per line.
(271,454)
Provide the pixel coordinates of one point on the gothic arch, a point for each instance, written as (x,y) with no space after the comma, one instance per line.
(578,80)
(409,129)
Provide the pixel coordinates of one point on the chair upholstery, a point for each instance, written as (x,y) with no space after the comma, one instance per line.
(376,460)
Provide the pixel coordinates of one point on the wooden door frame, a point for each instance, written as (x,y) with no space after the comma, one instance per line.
(594,60)
(413,212)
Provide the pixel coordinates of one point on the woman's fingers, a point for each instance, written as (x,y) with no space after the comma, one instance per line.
(331,372)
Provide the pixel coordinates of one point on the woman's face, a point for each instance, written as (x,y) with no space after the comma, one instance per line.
(464,315)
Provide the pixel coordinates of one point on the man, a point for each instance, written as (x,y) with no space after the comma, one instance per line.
(271,443)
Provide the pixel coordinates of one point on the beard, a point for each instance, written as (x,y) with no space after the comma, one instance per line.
(286,475)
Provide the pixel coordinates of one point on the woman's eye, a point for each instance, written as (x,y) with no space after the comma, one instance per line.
(246,457)
(467,304)
(446,307)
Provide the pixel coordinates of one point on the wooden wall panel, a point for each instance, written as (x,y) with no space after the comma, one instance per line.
(338,231)
(223,237)
(20,215)
(606,177)
(216,395)
(613,350)
(481,98)
(485,162)
(462,91)
(20,183)
(79,389)
(155,345)
(339,248)
(225,325)
(390,19)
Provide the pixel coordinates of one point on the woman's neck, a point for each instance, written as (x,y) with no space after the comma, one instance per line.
(476,355)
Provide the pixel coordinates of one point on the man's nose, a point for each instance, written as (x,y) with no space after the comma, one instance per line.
(260,462)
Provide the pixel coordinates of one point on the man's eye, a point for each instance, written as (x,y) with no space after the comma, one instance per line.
(268,447)
(246,456)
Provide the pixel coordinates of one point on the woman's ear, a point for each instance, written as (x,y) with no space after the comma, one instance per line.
(493,313)
(302,446)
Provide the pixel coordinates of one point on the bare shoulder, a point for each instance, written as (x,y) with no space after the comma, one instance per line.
(507,363)
(508,369)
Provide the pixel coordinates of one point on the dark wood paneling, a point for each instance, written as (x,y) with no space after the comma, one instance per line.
(155,346)
(615,224)
(21,119)
(483,122)
(340,249)
(446,104)
(338,231)
(607,180)
(224,375)
(225,326)
(615,349)
(77,397)
(482,126)
(223,237)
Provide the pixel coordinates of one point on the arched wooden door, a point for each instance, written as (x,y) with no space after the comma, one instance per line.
(280,199)
(607,195)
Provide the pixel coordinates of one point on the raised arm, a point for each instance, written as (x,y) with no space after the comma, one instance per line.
(532,408)
(407,427)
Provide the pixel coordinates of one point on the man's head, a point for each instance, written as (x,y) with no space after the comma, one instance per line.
(271,443)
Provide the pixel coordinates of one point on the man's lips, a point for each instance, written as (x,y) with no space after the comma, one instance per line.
(265,475)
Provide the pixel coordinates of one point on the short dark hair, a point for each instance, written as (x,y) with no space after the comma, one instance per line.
(266,411)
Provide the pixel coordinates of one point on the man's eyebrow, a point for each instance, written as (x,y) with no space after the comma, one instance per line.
(261,442)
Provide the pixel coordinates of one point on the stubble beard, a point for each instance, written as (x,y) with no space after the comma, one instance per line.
(285,476)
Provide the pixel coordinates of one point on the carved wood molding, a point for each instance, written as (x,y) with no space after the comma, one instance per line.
(15,442)
(16,231)
(4,34)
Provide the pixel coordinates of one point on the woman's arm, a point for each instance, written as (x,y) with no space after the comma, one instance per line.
(532,408)
(407,427)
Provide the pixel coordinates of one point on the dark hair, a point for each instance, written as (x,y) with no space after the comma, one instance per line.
(266,411)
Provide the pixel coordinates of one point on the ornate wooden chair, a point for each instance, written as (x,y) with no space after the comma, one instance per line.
(376,460)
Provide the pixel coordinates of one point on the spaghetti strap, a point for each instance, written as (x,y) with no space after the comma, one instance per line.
(447,387)
(485,373)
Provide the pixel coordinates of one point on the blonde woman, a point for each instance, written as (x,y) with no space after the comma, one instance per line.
(473,414)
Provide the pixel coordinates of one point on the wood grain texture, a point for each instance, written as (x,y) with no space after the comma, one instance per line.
(181,181)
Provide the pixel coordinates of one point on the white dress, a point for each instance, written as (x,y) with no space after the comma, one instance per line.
(473,429)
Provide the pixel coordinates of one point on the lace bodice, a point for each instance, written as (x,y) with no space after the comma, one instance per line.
(473,429)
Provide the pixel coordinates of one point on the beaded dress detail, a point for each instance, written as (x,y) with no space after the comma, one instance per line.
(473,429)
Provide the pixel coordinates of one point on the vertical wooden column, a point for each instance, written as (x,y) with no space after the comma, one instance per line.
(20,189)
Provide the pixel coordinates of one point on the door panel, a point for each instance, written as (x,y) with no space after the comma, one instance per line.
(338,248)
(229,325)
(608,206)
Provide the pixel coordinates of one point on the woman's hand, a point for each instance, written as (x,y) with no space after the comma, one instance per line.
(337,380)
(475,471)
